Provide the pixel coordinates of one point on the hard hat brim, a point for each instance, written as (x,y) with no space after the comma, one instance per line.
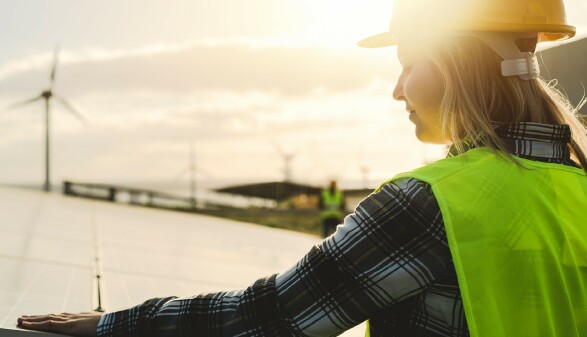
(376,41)
(546,33)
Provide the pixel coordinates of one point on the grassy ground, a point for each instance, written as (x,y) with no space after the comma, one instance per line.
(306,221)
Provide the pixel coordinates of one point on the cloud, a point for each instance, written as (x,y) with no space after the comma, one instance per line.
(146,105)
(288,71)
(230,144)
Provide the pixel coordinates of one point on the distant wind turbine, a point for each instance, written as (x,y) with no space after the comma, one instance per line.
(47,95)
(193,170)
(287,157)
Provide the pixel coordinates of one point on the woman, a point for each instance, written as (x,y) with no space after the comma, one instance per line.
(488,242)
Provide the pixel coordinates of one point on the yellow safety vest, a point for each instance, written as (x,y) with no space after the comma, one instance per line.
(331,204)
(518,239)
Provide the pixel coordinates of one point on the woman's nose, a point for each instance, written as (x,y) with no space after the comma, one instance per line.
(398,91)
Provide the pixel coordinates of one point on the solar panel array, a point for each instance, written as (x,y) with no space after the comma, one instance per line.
(52,247)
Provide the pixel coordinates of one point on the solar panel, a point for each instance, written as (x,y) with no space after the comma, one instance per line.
(52,247)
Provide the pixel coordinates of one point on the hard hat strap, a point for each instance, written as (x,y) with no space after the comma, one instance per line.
(526,68)
(515,62)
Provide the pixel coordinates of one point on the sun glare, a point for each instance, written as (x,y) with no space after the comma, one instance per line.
(342,23)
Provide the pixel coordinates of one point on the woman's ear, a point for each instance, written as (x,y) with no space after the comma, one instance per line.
(527,45)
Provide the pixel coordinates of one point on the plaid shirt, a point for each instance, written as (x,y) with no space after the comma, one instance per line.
(389,262)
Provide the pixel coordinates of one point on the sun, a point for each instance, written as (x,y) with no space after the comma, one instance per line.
(343,22)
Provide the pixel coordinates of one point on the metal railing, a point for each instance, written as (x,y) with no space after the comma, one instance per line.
(156,199)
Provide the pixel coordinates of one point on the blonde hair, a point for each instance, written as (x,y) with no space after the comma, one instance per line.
(477,98)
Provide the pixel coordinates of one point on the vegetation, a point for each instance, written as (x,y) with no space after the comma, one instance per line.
(306,221)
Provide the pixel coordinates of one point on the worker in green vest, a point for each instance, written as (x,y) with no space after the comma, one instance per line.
(488,242)
(515,218)
(332,208)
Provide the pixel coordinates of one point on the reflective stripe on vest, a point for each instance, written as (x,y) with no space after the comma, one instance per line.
(518,239)
(331,204)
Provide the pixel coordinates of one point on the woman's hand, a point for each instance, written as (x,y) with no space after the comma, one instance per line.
(83,324)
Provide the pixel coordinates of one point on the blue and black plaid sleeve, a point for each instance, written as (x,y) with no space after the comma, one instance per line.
(390,249)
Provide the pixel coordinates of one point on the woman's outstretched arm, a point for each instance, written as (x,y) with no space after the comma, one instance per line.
(390,249)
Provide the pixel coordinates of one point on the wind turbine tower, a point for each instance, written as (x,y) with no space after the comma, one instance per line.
(193,200)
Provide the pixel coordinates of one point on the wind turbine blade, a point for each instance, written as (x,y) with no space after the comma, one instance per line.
(71,109)
(204,172)
(54,68)
(180,174)
(278,147)
(25,102)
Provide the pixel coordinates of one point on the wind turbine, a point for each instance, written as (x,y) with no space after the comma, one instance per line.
(287,157)
(47,95)
(193,170)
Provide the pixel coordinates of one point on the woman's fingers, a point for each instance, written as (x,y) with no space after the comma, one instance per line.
(44,325)
(41,318)
(82,324)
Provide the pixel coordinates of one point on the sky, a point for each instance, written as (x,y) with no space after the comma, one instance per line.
(246,83)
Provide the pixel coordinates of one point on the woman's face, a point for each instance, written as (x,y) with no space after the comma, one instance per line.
(421,87)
